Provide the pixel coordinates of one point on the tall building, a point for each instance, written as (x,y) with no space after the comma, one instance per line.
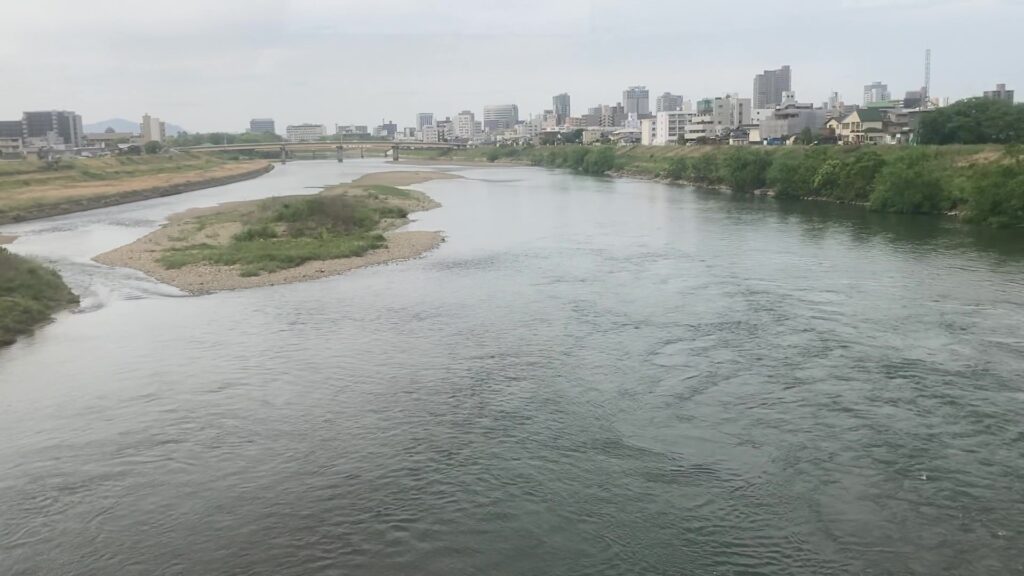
(386,129)
(445,129)
(262,126)
(668,102)
(560,106)
(636,100)
(1000,93)
(152,129)
(304,132)
(876,92)
(769,86)
(55,126)
(424,119)
(499,117)
(464,125)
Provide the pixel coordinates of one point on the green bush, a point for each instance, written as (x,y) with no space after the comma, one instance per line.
(911,184)
(744,170)
(29,294)
(995,195)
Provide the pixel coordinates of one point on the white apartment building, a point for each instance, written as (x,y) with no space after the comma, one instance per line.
(152,129)
(305,132)
(668,126)
(429,134)
(648,131)
(465,125)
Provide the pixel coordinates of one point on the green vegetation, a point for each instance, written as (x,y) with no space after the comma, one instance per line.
(974,121)
(287,232)
(220,138)
(983,184)
(29,294)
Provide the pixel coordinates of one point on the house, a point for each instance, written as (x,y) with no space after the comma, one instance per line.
(863,126)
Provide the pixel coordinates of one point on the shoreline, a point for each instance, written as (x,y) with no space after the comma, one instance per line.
(199,279)
(72,206)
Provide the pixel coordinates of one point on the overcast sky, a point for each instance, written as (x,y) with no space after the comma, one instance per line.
(214,64)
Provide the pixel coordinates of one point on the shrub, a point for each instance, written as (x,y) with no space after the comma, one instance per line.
(910,184)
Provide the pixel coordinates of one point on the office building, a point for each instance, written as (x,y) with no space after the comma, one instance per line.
(152,129)
(53,128)
(876,92)
(464,125)
(386,130)
(769,86)
(424,119)
(636,100)
(1000,93)
(11,129)
(262,126)
(498,117)
(561,107)
(669,102)
(445,129)
(305,132)
(346,129)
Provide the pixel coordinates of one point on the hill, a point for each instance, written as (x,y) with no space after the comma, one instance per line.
(122,125)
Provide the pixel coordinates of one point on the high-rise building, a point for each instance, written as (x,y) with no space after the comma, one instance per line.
(561,107)
(152,129)
(464,125)
(499,117)
(668,102)
(769,86)
(55,126)
(636,100)
(262,126)
(1000,93)
(424,119)
(876,92)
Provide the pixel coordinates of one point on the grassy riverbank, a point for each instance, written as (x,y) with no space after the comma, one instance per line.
(983,184)
(29,294)
(32,189)
(285,239)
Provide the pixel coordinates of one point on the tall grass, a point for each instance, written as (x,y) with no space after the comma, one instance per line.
(288,232)
(29,294)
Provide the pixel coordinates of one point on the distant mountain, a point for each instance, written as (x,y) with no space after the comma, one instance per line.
(122,125)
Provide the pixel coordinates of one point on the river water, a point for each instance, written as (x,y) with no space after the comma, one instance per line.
(591,376)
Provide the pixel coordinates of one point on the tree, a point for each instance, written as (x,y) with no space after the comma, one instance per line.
(572,136)
(806,137)
(743,169)
(152,147)
(973,121)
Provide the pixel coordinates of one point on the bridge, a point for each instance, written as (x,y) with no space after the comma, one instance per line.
(391,148)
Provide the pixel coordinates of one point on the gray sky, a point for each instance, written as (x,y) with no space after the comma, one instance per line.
(213,64)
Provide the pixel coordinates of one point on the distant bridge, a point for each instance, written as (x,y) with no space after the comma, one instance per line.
(391,148)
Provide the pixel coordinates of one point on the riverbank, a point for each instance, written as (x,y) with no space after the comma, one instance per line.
(30,294)
(982,184)
(30,190)
(286,239)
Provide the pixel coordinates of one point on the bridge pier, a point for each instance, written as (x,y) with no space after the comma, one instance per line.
(341,153)
(362,152)
(394,153)
(284,155)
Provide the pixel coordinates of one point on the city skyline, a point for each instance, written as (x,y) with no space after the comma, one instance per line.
(192,59)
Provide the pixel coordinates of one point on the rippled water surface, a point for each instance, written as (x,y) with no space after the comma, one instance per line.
(589,377)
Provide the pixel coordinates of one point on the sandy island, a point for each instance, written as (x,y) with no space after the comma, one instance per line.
(218,224)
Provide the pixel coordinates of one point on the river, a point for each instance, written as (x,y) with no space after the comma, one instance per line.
(591,376)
